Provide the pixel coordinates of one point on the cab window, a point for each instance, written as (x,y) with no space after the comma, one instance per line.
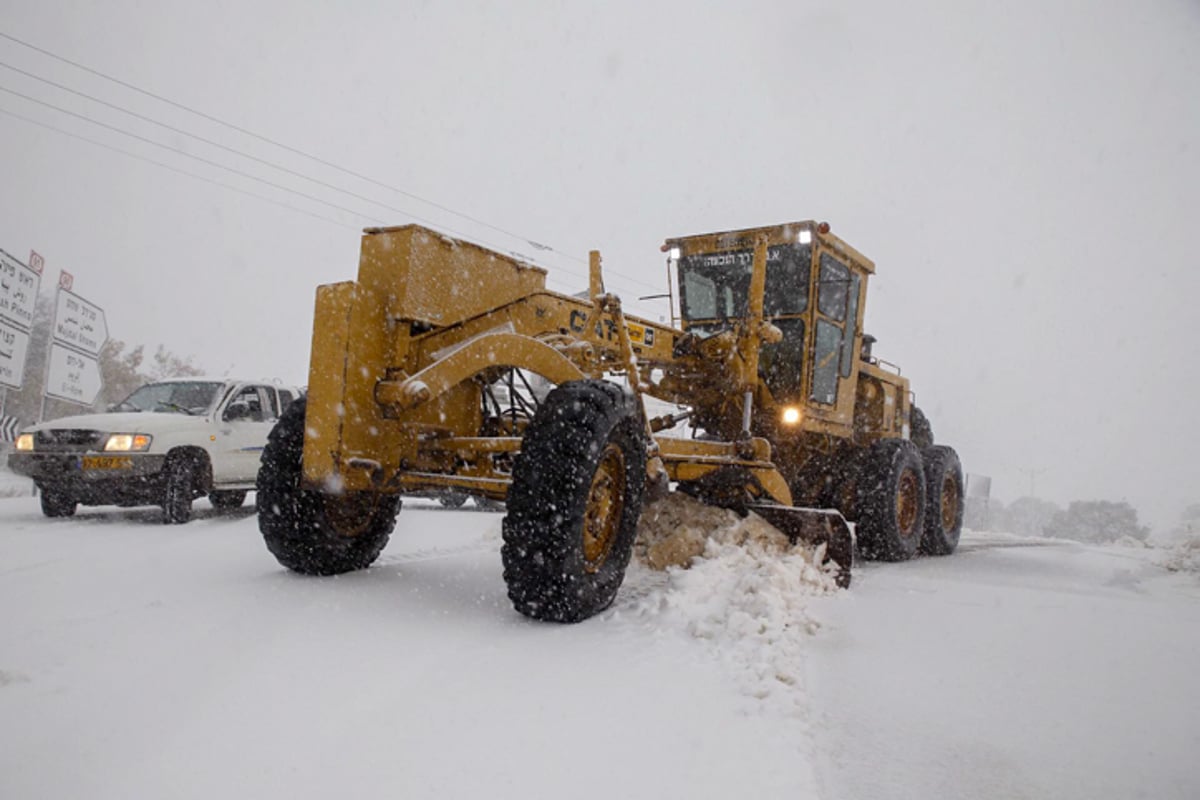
(257,400)
(834,287)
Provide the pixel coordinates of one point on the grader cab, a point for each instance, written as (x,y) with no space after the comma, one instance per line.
(791,417)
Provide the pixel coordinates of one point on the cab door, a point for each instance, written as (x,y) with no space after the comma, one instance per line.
(243,427)
(838,289)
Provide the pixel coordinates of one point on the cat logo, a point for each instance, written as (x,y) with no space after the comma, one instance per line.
(639,335)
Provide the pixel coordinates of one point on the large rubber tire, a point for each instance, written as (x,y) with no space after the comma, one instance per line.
(312,532)
(180,490)
(891,501)
(943,501)
(227,500)
(574,503)
(57,503)
(920,431)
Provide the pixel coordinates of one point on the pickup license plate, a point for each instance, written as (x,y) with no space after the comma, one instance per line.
(107,462)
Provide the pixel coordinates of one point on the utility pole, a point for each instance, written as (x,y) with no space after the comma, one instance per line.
(1032,473)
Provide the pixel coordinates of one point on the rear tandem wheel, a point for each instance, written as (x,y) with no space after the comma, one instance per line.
(943,501)
(891,501)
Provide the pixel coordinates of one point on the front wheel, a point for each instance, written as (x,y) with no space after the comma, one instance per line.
(180,490)
(315,533)
(57,503)
(574,503)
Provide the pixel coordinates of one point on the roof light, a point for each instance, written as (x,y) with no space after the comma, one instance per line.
(805,236)
(674,253)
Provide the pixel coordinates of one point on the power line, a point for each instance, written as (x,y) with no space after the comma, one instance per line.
(536,245)
(201,159)
(235,171)
(281,145)
(218,165)
(229,186)
(226,148)
(205,179)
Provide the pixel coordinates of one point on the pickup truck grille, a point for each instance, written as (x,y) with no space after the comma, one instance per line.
(67,440)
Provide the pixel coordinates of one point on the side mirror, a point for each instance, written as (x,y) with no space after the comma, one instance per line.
(238,409)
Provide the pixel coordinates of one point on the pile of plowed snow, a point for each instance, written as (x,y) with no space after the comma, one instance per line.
(1183,556)
(736,583)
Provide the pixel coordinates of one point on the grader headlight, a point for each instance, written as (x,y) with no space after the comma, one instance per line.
(792,415)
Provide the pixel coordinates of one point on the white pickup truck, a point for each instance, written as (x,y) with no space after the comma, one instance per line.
(166,444)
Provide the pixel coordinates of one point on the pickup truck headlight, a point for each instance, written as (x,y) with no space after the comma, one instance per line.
(127,443)
(25,442)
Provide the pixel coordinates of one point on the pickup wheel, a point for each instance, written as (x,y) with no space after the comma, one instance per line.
(891,501)
(57,503)
(452,499)
(227,500)
(574,502)
(182,478)
(312,532)
(487,504)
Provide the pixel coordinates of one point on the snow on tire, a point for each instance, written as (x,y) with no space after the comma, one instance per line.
(574,503)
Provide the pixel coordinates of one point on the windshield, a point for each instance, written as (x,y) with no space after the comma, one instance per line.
(716,286)
(181,397)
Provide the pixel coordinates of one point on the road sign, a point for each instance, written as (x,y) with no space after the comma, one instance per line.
(14,344)
(979,486)
(8,428)
(73,376)
(65,280)
(18,300)
(36,262)
(79,324)
(18,292)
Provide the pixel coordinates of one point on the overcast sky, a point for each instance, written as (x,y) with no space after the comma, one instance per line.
(1025,175)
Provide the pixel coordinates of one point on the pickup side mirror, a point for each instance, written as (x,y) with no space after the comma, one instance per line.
(238,409)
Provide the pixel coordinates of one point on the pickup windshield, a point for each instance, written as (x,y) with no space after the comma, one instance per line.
(181,397)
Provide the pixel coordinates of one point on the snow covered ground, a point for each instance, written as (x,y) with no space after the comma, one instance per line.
(138,660)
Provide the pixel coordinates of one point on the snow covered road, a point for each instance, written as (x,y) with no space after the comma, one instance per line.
(138,660)
(1014,669)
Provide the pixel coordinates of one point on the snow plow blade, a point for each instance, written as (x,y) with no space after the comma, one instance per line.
(814,526)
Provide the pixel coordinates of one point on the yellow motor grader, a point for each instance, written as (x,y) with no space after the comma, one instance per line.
(422,380)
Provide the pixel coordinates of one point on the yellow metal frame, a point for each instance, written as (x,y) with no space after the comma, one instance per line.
(400,357)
